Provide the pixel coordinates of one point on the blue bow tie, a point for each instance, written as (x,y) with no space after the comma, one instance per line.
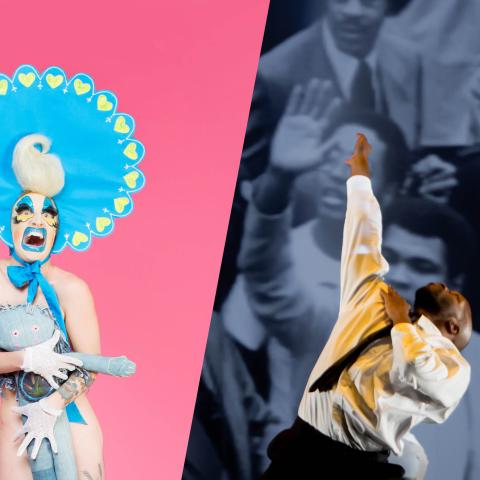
(31,274)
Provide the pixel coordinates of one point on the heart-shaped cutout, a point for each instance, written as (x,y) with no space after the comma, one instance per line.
(120,204)
(102,223)
(130,151)
(78,238)
(121,125)
(103,104)
(131,179)
(81,87)
(54,81)
(26,79)
(3,87)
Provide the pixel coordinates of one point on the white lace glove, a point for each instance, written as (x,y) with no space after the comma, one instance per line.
(39,425)
(41,359)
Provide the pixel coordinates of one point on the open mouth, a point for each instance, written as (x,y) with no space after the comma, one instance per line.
(34,239)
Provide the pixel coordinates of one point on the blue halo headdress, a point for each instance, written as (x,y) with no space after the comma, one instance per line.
(94,143)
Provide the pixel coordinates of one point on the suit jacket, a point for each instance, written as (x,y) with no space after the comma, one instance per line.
(303,57)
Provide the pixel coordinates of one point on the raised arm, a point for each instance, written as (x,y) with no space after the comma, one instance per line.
(362,261)
(275,293)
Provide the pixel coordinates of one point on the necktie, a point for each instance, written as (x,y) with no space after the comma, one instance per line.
(31,274)
(330,377)
(363,94)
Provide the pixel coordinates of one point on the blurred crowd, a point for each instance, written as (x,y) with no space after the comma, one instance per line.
(407,75)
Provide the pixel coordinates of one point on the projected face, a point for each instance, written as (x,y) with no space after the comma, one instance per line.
(34,226)
(415,260)
(355,24)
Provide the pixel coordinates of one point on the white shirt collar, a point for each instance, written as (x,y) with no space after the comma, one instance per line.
(428,326)
(344,65)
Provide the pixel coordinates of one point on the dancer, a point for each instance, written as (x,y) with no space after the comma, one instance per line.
(384,369)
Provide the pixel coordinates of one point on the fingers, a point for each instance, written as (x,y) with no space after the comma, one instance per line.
(362,147)
(440,186)
(61,375)
(309,102)
(72,360)
(52,382)
(53,443)
(36,447)
(316,99)
(433,164)
(332,105)
(24,445)
(54,340)
(294,100)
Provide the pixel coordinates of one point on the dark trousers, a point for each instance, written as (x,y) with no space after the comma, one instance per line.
(302,452)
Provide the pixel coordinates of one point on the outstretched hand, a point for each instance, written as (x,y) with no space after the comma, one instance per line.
(43,360)
(358,162)
(39,425)
(396,307)
(297,143)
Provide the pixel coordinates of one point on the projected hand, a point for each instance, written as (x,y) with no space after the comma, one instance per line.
(297,143)
(433,178)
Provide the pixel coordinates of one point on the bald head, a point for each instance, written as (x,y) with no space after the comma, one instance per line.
(449,310)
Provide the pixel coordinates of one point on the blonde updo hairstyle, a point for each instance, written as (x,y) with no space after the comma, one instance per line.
(37,170)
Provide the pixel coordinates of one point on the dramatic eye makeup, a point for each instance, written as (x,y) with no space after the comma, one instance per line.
(50,213)
(23,210)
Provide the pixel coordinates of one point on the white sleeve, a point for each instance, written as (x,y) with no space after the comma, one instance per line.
(440,373)
(362,259)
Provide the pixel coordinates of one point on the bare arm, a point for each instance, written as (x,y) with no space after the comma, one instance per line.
(11,362)
(82,326)
(275,293)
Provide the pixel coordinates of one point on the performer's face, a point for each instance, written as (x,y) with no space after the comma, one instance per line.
(34,226)
(333,172)
(354,24)
(415,260)
(449,310)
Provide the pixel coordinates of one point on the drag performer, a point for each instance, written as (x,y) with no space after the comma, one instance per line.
(59,195)
(385,367)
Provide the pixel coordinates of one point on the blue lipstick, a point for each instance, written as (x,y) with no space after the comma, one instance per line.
(34,239)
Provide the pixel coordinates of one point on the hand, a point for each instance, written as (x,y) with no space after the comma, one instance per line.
(396,307)
(42,360)
(359,160)
(297,142)
(436,178)
(121,367)
(40,423)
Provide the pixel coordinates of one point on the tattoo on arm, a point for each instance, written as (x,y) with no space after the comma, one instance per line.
(75,386)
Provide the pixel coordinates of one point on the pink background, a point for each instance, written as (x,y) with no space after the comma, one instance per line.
(185,72)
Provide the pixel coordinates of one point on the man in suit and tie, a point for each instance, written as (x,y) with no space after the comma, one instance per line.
(347,48)
(385,367)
